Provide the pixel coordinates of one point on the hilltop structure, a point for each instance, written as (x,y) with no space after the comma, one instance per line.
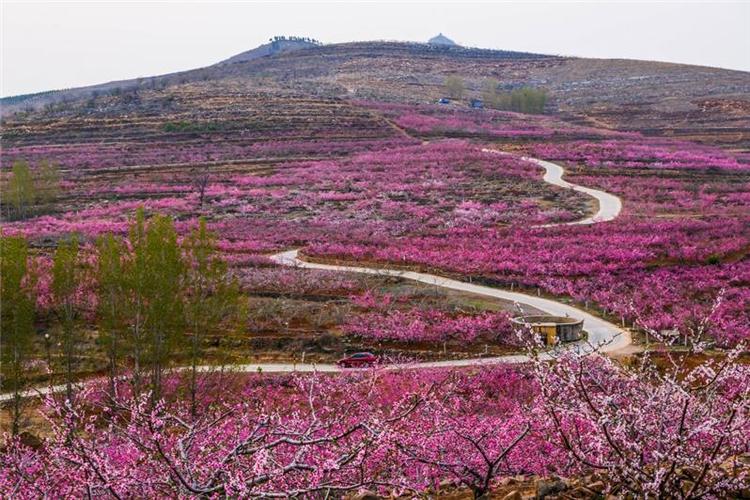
(275,45)
(441,40)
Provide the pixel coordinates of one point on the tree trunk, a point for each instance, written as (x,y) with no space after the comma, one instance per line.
(112,363)
(156,368)
(68,369)
(193,383)
(16,392)
(137,350)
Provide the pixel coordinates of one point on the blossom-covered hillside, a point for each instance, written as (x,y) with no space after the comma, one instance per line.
(144,296)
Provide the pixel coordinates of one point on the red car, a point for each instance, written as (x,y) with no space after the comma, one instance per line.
(358,359)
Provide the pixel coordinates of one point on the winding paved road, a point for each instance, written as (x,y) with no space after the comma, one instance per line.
(602,333)
(609,204)
(607,336)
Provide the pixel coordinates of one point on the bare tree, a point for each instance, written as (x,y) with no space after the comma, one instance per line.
(467,451)
(200,180)
(660,428)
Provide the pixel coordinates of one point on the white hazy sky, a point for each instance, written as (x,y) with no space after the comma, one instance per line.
(53,45)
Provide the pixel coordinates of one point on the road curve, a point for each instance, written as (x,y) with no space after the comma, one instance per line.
(610,205)
(601,333)
(605,335)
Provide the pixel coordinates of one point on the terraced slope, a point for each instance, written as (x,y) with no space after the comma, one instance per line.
(698,103)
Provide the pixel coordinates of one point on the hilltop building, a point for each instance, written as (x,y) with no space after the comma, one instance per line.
(441,40)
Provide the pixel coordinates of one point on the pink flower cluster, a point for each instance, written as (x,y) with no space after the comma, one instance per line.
(419,325)
(442,121)
(448,206)
(81,157)
(662,271)
(398,191)
(651,153)
(398,432)
(296,281)
(278,435)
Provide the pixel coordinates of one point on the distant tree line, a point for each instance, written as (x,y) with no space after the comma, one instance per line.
(522,100)
(15,99)
(305,39)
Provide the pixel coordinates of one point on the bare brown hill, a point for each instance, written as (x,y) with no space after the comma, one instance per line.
(693,102)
